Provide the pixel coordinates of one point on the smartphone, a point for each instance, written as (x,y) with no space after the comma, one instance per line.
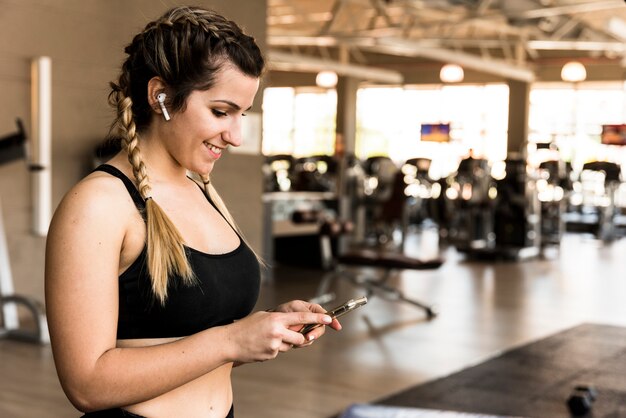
(340,310)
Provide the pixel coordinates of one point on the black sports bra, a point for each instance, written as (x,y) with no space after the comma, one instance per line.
(227,289)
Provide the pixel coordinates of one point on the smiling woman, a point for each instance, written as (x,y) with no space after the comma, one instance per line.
(149,283)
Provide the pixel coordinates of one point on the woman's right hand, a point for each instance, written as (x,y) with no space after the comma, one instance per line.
(262,335)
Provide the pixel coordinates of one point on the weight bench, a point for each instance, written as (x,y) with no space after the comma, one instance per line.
(352,263)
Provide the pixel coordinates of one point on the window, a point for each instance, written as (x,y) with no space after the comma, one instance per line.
(389,122)
(299,122)
(572,118)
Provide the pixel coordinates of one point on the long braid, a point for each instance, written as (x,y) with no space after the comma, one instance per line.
(166,254)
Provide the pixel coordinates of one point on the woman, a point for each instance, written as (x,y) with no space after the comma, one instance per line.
(149,284)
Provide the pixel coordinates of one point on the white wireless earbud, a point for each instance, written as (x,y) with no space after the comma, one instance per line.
(161,99)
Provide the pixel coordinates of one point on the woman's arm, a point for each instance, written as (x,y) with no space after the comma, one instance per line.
(82,261)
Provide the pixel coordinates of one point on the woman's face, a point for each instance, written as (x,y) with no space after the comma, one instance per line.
(211,121)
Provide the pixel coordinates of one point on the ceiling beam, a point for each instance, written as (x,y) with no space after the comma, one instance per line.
(570,9)
(362,42)
(485,65)
(482,6)
(292,19)
(328,41)
(333,14)
(407,48)
(564,28)
(612,46)
(284,61)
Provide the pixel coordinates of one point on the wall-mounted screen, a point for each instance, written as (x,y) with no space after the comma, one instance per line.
(613,134)
(435,132)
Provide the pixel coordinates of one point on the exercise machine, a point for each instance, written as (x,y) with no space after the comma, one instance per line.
(426,200)
(278,173)
(517,212)
(470,191)
(316,173)
(552,185)
(382,200)
(594,208)
(12,147)
(497,212)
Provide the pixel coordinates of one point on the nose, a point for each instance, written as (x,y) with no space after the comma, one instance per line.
(232,134)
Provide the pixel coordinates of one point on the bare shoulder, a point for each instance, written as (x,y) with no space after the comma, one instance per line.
(99,200)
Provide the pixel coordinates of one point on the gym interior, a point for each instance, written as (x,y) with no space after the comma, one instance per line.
(458,163)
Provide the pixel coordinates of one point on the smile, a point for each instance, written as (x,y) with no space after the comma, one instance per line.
(216,151)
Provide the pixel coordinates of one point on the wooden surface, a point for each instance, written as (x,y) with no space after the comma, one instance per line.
(485,307)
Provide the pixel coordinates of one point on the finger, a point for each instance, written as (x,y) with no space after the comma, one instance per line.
(293,306)
(292,337)
(284,347)
(336,325)
(318,331)
(306,344)
(296,318)
(314,307)
(315,334)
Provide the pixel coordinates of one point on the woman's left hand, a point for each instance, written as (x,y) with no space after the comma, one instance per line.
(303,306)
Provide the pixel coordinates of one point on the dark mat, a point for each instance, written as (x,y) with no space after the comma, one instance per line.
(535,380)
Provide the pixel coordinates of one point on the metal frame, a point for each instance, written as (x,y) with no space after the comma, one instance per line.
(500,38)
(9,302)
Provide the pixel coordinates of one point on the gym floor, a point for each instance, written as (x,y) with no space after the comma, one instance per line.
(484,307)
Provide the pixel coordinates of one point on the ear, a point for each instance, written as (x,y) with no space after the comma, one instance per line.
(155,86)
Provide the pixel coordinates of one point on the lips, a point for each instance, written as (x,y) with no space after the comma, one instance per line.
(216,152)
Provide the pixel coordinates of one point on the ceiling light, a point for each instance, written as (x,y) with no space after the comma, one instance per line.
(573,72)
(451,73)
(326,79)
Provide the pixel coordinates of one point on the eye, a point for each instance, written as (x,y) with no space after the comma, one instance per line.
(219,113)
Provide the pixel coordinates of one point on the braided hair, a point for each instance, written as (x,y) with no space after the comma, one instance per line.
(186,47)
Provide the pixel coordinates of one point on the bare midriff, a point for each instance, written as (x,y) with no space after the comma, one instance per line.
(209,396)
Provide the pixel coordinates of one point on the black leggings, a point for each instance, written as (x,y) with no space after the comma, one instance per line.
(121,413)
